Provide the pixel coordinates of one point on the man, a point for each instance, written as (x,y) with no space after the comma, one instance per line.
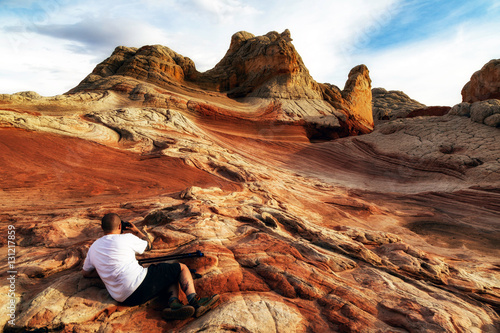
(112,258)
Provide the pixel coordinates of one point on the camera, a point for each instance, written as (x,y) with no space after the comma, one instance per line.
(126,225)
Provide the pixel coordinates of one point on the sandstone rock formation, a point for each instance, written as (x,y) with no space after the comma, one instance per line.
(153,63)
(265,66)
(263,72)
(484,84)
(388,105)
(358,95)
(485,112)
(392,231)
(481,96)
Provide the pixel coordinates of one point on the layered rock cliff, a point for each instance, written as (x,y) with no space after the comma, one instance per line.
(392,231)
(265,72)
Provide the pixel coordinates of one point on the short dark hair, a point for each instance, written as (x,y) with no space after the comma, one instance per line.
(110,222)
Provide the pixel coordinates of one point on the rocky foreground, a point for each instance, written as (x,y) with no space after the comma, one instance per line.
(311,218)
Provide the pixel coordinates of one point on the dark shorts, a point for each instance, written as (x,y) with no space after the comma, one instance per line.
(159,277)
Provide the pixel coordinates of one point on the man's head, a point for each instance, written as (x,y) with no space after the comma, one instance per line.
(111,223)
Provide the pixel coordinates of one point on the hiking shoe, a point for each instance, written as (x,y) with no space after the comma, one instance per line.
(178,314)
(202,305)
(175,304)
(177,311)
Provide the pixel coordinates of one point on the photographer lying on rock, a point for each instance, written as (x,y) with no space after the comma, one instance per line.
(112,258)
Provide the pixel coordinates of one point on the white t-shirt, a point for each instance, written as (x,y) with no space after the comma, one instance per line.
(113,256)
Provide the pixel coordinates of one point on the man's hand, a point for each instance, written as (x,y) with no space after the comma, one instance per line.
(143,234)
(133,228)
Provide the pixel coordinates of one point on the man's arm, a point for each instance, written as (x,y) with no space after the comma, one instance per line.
(88,270)
(142,234)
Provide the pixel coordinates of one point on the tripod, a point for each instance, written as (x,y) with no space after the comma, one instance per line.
(196,254)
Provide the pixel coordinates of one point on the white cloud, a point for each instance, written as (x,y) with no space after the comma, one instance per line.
(434,71)
(328,36)
(225,11)
(97,34)
(48,68)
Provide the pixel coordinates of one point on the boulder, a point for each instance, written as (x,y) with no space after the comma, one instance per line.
(483,112)
(484,84)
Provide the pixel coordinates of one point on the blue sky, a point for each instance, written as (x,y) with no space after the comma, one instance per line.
(421,19)
(428,49)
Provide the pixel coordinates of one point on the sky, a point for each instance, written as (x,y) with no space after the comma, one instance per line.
(427,49)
